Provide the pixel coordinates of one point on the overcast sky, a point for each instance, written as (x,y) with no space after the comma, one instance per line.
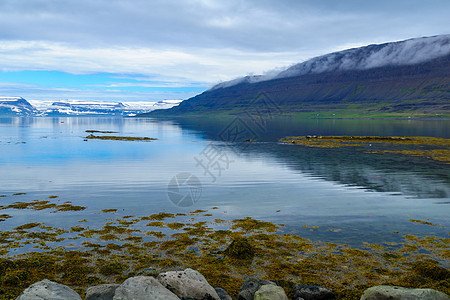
(164,49)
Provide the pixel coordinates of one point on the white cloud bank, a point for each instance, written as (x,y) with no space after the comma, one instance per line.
(191,65)
(199,42)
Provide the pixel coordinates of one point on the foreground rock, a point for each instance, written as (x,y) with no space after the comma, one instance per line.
(47,289)
(250,287)
(270,292)
(188,283)
(312,292)
(143,288)
(223,295)
(383,292)
(101,292)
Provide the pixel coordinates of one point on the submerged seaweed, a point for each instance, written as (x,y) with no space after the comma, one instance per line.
(225,252)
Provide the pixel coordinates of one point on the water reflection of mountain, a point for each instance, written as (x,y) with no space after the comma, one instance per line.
(415,177)
(397,174)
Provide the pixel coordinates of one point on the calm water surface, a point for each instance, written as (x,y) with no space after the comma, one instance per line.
(365,197)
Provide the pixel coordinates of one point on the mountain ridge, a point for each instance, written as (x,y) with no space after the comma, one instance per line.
(420,88)
(407,52)
(16,106)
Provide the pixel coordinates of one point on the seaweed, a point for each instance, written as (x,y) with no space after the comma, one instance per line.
(119,138)
(439,151)
(100,131)
(4,217)
(41,205)
(421,222)
(226,256)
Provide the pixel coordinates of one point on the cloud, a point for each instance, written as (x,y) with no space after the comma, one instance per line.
(246,25)
(192,65)
(199,41)
(32,92)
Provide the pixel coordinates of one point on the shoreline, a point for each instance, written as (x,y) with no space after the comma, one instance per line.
(134,246)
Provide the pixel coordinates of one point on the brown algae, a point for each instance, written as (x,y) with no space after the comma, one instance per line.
(440,152)
(100,131)
(119,138)
(41,205)
(226,255)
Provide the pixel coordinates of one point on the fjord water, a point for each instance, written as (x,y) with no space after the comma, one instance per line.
(347,195)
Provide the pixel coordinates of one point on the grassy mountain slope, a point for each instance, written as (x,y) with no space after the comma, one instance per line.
(418,90)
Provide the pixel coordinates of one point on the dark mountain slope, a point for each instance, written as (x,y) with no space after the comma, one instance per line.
(420,89)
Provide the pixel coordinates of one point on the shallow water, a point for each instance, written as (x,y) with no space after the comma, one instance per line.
(361,197)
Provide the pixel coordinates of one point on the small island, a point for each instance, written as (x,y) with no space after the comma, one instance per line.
(119,138)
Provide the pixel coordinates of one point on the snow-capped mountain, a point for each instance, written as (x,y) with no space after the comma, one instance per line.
(22,107)
(408,52)
(16,106)
(80,107)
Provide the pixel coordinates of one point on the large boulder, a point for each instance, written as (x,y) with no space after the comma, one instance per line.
(249,288)
(101,292)
(312,292)
(143,288)
(384,292)
(270,292)
(223,295)
(188,283)
(47,289)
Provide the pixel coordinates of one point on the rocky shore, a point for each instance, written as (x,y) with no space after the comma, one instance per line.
(191,285)
(138,253)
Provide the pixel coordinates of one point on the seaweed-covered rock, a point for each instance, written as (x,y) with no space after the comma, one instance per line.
(430,269)
(383,292)
(101,292)
(188,283)
(249,288)
(240,248)
(270,292)
(143,288)
(47,289)
(312,292)
(223,295)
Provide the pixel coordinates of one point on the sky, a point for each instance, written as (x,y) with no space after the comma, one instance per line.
(150,50)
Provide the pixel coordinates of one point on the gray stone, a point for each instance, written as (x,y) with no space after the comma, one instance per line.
(48,290)
(143,288)
(188,283)
(270,292)
(101,292)
(249,288)
(384,292)
(223,295)
(312,292)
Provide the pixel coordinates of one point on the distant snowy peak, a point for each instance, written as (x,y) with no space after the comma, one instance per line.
(86,108)
(80,107)
(408,52)
(93,104)
(21,107)
(16,106)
